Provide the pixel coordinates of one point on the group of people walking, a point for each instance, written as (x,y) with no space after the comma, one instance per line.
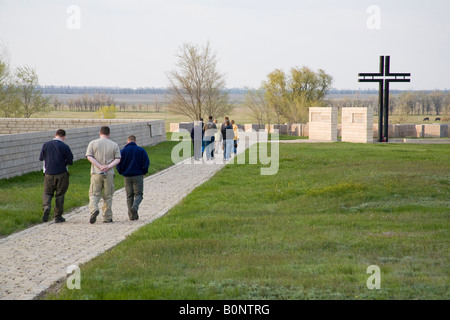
(132,162)
(209,138)
(104,155)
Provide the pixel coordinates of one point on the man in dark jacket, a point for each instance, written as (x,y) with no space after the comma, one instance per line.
(56,156)
(133,166)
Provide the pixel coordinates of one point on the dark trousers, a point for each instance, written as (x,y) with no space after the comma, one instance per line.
(57,186)
(134,188)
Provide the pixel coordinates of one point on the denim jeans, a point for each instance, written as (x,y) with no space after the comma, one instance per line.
(228,146)
(209,146)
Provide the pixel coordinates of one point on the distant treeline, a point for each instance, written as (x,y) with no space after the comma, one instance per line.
(99,90)
(152,90)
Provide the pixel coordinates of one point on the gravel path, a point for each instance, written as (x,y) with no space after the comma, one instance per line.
(33,259)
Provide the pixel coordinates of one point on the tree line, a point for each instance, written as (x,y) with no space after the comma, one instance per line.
(198,90)
(98,90)
(408,102)
(86,103)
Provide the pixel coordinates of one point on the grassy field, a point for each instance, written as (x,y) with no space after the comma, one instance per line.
(20,197)
(241,114)
(309,232)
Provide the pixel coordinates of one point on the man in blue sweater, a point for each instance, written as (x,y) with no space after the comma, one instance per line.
(133,167)
(56,156)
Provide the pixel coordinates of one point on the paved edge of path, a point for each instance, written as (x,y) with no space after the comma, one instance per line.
(34,259)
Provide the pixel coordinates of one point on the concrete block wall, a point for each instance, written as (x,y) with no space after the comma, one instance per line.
(391,131)
(282,128)
(175,127)
(19,153)
(21,125)
(404,130)
(357,125)
(323,123)
(302,130)
(435,130)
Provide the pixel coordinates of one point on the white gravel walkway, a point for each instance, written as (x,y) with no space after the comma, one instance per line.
(33,259)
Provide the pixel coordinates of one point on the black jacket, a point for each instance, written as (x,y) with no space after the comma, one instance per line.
(56,156)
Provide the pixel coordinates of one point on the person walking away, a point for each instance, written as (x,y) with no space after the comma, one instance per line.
(227,133)
(236,136)
(197,139)
(56,156)
(133,166)
(217,138)
(222,136)
(104,155)
(209,131)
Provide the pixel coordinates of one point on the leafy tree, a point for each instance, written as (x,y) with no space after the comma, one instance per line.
(31,99)
(9,102)
(291,95)
(107,112)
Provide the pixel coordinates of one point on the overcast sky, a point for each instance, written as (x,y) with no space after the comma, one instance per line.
(133,43)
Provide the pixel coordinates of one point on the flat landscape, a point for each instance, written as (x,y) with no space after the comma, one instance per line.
(154,106)
(309,232)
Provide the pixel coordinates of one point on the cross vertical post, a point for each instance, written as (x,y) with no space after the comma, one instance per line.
(384,77)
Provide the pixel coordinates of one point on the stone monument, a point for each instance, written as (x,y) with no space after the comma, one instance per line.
(357,125)
(323,123)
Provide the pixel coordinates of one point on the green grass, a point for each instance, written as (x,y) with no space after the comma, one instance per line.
(287,137)
(309,232)
(21,197)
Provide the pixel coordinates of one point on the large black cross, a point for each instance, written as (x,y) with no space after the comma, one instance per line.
(384,77)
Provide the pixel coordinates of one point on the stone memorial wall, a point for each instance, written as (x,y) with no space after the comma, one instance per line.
(323,124)
(19,152)
(357,125)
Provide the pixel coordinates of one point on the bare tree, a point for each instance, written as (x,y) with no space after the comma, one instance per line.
(197,88)
(437,97)
(260,108)
(407,102)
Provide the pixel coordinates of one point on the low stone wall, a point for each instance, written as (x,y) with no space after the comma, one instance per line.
(19,153)
(302,130)
(415,130)
(21,125)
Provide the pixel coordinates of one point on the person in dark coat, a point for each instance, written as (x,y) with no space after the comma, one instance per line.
(56,156)
(133,166)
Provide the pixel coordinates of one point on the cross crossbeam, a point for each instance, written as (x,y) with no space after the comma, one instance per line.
(384,77)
